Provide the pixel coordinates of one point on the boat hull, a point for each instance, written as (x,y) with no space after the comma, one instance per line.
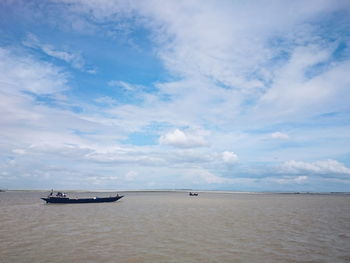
(66,200)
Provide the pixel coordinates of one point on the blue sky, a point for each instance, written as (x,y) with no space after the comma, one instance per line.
(224,95)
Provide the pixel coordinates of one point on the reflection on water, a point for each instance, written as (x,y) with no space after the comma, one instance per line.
(174,227)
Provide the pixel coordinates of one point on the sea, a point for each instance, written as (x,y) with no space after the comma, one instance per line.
(171,226)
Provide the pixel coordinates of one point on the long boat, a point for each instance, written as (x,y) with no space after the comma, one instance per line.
(61,198)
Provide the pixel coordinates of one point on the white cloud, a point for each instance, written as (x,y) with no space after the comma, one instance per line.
(131,176)
(318,167)
(178,138)
(280,135)
(125,85)
(126,156)
(234,60)
(200,176)
(289,179)
(23,73)
(74,59)
(295,93)
(19,151)
(106,100)
(229,157)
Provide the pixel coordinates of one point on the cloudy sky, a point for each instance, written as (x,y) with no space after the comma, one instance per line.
(225,95)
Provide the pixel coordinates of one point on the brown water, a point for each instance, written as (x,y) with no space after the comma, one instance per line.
(173,227)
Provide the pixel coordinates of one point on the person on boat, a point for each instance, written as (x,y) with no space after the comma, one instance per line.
(59,194)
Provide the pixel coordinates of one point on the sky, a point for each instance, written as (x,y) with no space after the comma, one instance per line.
(237,95)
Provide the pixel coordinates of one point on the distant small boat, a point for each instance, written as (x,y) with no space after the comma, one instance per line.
(61,198)
(193,194)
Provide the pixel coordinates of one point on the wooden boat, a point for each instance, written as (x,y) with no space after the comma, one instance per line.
(61,198)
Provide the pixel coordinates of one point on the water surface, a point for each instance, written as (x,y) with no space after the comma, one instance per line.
(174,227)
